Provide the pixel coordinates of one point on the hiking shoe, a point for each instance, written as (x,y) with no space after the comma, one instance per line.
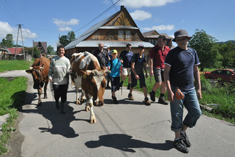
(129,85)
(185,139)
(115,100)
(146,101)
(162,100)
(130,96)
(152,95)
(180,146)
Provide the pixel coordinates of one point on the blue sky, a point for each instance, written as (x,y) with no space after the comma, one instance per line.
(44,20)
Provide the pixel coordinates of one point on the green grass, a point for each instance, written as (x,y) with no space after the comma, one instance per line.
(8,65)
(12,96)
(223,95)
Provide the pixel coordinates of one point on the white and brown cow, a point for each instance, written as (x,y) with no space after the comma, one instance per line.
(88,75)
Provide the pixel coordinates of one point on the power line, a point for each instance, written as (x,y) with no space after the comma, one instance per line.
(99,15)
(8,2)
(2,9)
(7,9)
(114,6)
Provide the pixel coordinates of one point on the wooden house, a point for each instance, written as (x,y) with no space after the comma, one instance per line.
(42,46)
(116,31)
(153,35)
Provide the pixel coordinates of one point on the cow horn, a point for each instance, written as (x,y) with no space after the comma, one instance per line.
(30,68)
(107,71)
(90,71)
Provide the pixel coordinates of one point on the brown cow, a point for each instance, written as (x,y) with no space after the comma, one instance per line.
(39,71)
(88,75)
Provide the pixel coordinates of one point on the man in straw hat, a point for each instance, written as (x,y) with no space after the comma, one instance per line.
(181,67)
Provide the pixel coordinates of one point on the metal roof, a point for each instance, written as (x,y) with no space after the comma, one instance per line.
(118,27)
(94,43)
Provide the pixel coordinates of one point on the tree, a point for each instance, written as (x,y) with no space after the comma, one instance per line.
(227,50)
(206,48)
(8,42)
(64,40)
(50,49)
(71,36)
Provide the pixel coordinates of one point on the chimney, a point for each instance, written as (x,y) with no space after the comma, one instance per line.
(122,7)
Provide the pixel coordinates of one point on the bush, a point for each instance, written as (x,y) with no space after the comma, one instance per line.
(205,84)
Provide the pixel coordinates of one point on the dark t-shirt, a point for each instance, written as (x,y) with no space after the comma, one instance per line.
(101,56)
(138,64)
(126,57)
(182,67)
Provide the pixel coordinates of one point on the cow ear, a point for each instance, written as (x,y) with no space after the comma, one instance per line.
(29,71)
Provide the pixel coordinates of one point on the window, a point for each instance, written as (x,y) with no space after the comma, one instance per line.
(128,34)
(120,34)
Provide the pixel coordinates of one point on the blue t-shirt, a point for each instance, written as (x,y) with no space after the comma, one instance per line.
(116,64)
(126,57)
(182,67)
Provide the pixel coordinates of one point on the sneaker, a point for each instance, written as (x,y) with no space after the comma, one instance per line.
(162,100)
(185,139)
(146,101)
(115,100)
(152,95)
(130,96)
(129,85)
(180,146)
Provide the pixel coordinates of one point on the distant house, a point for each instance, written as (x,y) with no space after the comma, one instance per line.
(153,35)
(116,31)
(42,46)
(17,50)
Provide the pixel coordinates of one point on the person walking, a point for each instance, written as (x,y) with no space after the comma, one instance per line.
(114,66)
(108,77)
(138,63)
(102,55)
(181,67)
(58,75)
(125,57)
(157,58)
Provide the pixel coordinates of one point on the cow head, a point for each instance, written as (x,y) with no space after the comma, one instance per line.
(37,76)
(97,84)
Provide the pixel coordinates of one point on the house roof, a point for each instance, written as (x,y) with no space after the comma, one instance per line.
(44,45)
(113,43)
(5,49)
(156,35)
(79,42)
(12,50)
(90,31)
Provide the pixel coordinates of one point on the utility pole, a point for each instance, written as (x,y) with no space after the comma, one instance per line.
(19,28)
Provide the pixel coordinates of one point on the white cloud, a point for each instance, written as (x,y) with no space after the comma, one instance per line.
(7,29)
(146,3)
(64,29)
(160,28)
(140,15)
(61,23)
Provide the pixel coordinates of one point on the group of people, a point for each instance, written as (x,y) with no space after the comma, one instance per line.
(174,70)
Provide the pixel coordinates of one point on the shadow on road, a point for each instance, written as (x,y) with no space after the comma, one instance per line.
(59,123)
(126,143)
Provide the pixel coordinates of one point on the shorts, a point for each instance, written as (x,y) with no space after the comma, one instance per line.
(115,83)
(158,74)
(126,71)
(134,81)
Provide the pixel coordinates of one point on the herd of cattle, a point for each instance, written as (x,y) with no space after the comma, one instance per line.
(86,74)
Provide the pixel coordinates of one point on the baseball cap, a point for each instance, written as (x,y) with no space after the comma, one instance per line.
(141,46)
(114,51)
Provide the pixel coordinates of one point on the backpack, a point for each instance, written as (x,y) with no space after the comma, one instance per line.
(111,62)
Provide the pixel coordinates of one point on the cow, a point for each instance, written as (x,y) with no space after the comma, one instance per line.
(87,74)
(39,71)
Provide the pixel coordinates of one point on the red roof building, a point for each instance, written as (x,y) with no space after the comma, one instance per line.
(18,50)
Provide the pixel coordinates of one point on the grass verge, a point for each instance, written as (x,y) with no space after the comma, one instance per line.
(8,65)
(12,91)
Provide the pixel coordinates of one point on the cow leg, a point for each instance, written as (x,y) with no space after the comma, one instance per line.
(77,100)
(82,97)
(39,97)
(45,90)
(92,114)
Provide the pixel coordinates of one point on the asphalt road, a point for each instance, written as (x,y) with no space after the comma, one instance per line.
(126,129)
